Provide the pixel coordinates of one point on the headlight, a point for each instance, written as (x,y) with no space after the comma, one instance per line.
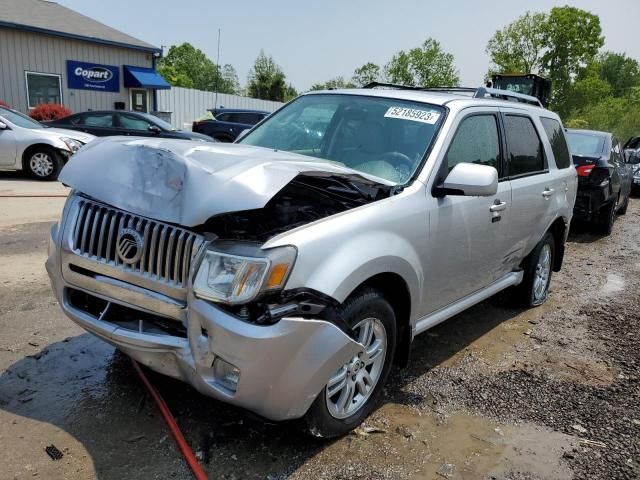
(236,273)
(72,145)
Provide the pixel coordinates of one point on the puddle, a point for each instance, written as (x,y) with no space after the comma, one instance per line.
(428,446)
(614,284)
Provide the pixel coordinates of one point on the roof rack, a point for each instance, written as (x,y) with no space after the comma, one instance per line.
(480,92)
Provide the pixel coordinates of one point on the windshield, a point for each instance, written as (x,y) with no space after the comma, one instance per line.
(585,143)
(19,119)
(158,121)
(384,137)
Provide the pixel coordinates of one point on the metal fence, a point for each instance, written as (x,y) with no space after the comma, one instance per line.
(187,104)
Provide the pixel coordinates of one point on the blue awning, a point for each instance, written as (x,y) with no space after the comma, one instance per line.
(141,77)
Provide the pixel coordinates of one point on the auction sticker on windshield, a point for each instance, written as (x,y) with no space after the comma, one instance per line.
(424,116)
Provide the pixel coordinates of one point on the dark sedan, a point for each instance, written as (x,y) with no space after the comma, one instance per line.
(106,123)
(225,124)
(604,177)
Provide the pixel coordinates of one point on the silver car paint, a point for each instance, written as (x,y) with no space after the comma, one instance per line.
(447,251)
(15,140)
(186,182)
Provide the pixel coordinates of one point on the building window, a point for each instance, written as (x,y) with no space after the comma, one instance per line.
(43,88)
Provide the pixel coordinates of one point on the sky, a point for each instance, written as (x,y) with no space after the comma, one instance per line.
(316,41)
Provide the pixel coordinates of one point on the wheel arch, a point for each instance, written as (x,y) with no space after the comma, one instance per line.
(559,230)
(395,290)
(27,152)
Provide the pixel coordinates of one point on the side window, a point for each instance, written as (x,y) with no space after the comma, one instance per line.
(476,141)
(97,120)
(223,117)
(133,123)
(526,154)
(558,141)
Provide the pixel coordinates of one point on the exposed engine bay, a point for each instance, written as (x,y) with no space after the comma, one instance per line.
(307,198)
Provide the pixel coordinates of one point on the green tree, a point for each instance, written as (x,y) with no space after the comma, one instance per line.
(572,38)
(229,80)
(427,66)
(290,93)
(519,46)
(620,71)
(367,73)
(266,79)
(334,83)
(187,66)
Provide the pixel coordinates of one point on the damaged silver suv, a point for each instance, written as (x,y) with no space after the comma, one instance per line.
(286,273)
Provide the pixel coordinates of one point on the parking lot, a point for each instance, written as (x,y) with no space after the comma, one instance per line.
(497,392)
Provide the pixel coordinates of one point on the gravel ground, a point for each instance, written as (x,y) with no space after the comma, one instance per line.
(495,393)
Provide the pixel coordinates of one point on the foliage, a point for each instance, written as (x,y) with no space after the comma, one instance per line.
(266,79)
(620,115)
(334,83)
(572,38)
(367,73)
(4,104)
(519,46)
(620,71)
(189,67)
(427,66)
(290,93)
(49,111)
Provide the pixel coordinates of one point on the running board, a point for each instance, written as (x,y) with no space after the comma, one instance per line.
(439,316)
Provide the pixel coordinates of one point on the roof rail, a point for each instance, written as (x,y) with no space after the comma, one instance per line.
(480,92)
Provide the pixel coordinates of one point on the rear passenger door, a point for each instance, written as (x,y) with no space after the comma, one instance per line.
(533,186)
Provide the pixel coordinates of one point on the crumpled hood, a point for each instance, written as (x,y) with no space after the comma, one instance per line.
(186,182)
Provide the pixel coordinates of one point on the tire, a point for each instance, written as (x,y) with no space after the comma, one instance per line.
(538,267)
(365,311)
(623,209)
(43,163)
(606,218)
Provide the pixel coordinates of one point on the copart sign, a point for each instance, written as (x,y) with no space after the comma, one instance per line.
(92,76)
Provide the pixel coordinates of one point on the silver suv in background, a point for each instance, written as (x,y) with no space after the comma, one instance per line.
(28,145)
(287,272)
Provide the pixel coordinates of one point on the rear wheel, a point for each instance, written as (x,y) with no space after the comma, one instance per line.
(538,266)
(623,209)
(43,163)
(607,217)
(355,388)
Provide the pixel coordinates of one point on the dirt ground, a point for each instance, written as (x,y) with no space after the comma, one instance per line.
(495,393)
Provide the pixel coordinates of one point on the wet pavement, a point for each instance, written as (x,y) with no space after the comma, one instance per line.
(497,392)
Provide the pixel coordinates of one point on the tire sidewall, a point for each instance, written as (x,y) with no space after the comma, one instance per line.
(366,304)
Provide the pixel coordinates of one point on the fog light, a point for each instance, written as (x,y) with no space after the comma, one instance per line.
(226,374)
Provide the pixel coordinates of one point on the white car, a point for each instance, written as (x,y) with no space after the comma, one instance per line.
(26,144)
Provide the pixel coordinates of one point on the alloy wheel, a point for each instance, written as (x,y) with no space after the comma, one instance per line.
(41,164)
(352,384)
(543,271)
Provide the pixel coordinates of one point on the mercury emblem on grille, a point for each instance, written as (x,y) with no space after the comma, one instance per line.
(129,245)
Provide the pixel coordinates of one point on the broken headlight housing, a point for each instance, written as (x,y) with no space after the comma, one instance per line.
(235,273)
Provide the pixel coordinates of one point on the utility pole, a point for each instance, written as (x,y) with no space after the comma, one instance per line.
(219,72)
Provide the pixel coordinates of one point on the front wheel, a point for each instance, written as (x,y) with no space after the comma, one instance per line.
(538,266)
(355,388)
(43,163)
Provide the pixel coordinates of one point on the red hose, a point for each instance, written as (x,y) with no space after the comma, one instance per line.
(188,455)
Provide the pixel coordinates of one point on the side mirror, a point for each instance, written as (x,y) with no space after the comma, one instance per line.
(3,126)
(154,129)
(242,133)
(470,180)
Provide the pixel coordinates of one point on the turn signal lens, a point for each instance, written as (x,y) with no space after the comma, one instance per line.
(277,275)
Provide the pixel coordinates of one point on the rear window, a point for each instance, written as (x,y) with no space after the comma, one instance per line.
(558,142)
(585,143)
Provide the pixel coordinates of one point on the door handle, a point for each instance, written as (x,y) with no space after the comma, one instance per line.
(548,192)
(498,206)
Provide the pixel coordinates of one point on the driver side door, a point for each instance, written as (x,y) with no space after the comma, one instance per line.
(133,125)
(467,235)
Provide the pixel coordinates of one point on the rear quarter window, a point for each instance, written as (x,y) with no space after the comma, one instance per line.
(558,141)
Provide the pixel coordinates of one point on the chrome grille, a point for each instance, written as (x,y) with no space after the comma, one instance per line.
(167,250)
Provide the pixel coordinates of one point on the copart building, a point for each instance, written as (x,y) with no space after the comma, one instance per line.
(52,54)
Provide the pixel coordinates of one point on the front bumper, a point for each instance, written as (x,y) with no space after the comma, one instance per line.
(282,366)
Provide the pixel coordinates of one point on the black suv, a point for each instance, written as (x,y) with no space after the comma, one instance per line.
(106,123)
(227,123)
(604,177)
